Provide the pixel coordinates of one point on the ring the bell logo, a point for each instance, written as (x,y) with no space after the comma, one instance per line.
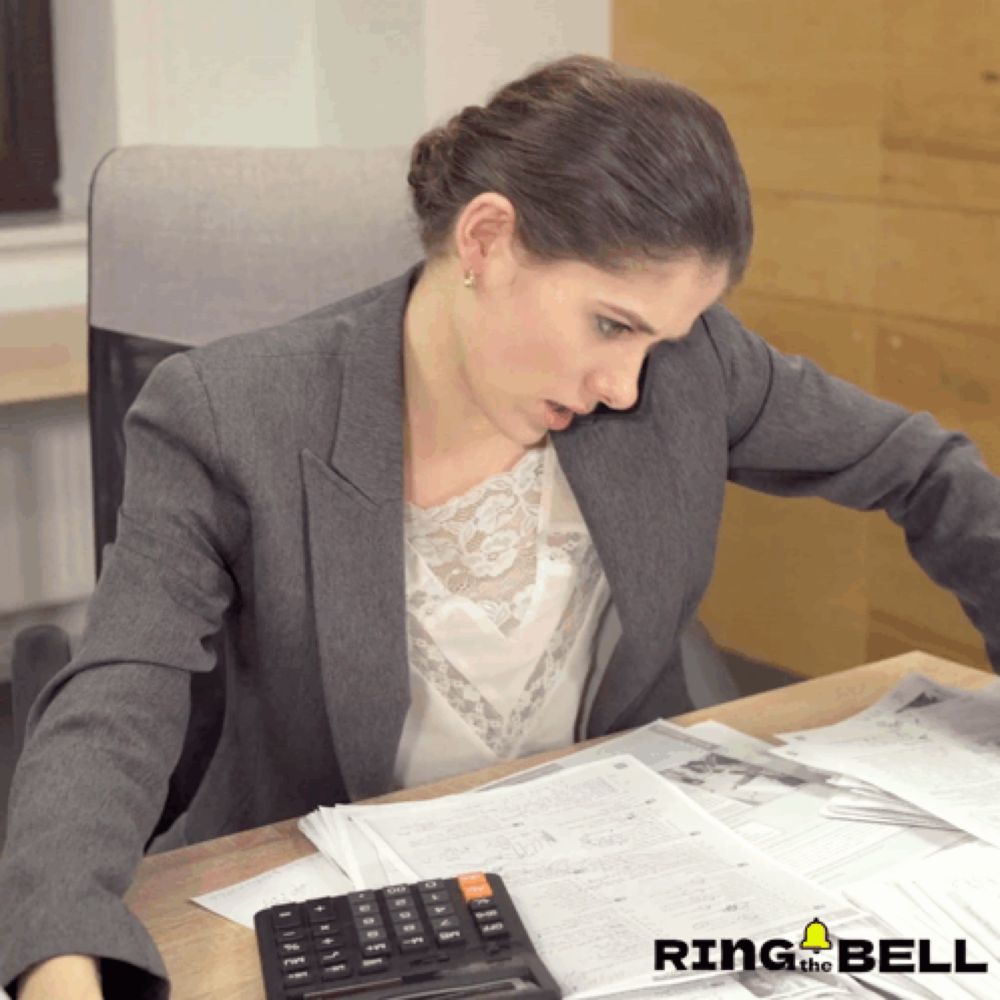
(815,939)
(777,954)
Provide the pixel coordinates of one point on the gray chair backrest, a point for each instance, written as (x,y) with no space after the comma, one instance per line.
(190,243)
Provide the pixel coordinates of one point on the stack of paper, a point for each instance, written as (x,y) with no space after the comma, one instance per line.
(777,806)
(870,804)
(951,897)
(934,750)
(601,858)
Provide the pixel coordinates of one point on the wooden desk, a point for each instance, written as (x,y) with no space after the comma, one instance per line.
(208,956)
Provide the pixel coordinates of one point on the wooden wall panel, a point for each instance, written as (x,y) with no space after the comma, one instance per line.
(942,109)
(815,249)
(949,369)
(780,602)
(798,81)
(940,264)
(870,132)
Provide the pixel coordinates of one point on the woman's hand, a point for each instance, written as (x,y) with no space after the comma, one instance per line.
(69,977)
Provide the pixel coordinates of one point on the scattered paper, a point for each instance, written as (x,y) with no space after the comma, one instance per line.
(601,859)
(934,747)
(306,878)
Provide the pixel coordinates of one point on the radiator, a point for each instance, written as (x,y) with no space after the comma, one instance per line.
(46,510)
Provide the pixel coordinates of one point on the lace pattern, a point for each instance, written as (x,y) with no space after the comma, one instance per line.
(482,545)
(485,546)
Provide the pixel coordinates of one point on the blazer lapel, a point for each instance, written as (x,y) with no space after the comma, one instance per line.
(354,517)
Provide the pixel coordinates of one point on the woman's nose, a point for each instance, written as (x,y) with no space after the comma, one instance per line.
(619,390)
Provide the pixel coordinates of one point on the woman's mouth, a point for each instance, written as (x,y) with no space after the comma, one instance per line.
(557,417)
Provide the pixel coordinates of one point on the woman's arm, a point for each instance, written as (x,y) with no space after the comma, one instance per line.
(795,430)
(106,732)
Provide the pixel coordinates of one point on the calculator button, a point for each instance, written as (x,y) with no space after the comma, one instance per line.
(376,948)
(400,903)
(364,908)
(371,921)
(333,957)
(450,937)
(301,978)
(493,930)
(438,896)
(430,885)
(414,942)
(361,896)
(341,970)
(403,916)
(485,916)
(325,928)
(402,889)
(369,965)
(413,927)
(483,903)
(444,923)
(320,910)
(294,934)
(330,941)
(440,910)
(476,891)
(291,948)
(287,916)
(367,937)
(295,962)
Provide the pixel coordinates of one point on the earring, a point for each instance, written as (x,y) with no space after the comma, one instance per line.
(470,280)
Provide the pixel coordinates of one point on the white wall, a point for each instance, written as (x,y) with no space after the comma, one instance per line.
(227,72)
(369,68)
(290,72)
(472,46)
(86,108)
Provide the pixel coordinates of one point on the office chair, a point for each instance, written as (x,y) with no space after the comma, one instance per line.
(189,244)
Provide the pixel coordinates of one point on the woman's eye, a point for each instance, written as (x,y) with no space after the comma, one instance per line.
(611,328)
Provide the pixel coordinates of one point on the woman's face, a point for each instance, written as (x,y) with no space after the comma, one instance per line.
(569,333)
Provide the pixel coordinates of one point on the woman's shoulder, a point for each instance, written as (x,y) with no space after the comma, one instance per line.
(329,331)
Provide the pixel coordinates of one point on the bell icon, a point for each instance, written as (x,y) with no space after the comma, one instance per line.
(815,936)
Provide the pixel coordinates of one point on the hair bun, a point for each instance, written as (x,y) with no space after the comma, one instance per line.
(430,162)
(431,158)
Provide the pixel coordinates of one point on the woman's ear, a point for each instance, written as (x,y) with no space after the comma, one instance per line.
(485,237)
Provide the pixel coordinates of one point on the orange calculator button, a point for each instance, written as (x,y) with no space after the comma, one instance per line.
(474,886)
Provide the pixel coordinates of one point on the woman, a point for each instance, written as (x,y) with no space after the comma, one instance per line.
(458,517)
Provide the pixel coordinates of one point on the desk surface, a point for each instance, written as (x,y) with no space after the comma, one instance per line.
(210,957)
(43,354)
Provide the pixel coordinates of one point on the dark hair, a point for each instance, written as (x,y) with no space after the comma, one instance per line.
(603,164)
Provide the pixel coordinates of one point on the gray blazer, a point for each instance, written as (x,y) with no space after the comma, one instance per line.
(263,494)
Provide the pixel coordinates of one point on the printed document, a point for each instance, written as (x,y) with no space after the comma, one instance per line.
(602,859)
(932,746)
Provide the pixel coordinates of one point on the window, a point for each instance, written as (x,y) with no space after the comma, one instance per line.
(29,155)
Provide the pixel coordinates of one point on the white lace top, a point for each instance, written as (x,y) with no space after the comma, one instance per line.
(508,613)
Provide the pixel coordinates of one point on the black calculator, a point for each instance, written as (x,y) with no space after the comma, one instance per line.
(440,939)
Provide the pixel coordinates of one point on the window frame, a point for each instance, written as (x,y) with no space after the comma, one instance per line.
(29,151)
